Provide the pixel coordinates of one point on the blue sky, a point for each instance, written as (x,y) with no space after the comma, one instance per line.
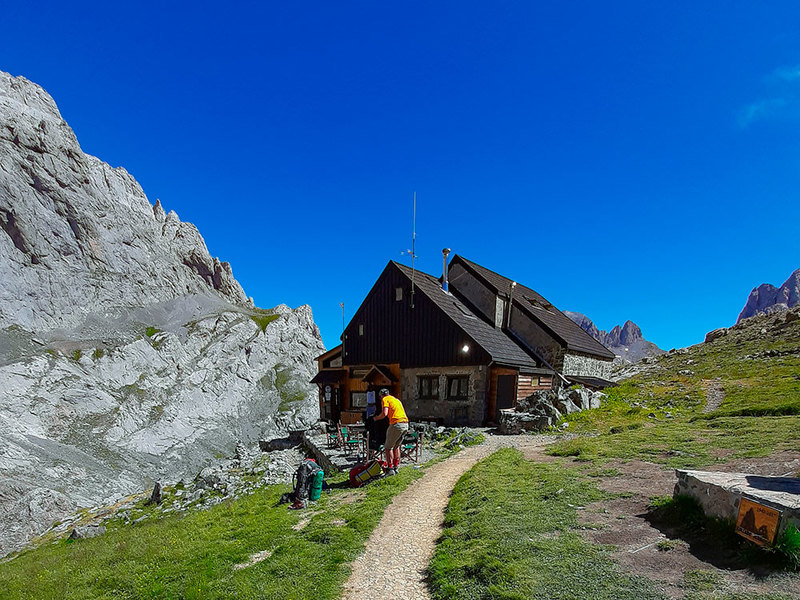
(627,161)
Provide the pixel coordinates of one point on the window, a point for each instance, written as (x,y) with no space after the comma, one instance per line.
(360,329)
(358,399)
(458,387)
(428,387)
(398,294)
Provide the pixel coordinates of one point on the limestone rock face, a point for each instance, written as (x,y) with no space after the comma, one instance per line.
(127,354)
(766,298)
(79,236)
(626,342)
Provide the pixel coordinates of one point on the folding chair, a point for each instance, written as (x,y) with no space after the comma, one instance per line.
(332,435)
(373,450)
(350,441)
(409,447)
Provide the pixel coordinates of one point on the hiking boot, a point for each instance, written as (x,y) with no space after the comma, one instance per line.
(390,472)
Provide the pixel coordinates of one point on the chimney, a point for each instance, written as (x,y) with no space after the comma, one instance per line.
(445,252)
(511,287)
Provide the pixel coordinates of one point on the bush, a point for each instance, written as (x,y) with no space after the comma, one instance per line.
(788,545)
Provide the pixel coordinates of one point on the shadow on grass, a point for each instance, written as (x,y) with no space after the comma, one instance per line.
(710,539)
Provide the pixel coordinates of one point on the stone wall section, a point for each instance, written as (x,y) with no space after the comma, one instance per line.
(584,365)
(471,411)
(720,494)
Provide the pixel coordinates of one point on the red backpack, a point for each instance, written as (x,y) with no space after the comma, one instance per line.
(361,474)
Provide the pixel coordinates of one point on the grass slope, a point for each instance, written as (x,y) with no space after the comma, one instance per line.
(194,556)
(511,534)
(510,526)
(658,415)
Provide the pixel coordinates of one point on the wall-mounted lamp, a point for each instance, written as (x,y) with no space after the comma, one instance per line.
(465,348)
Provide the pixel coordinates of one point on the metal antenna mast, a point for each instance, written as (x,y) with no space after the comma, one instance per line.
(413,251)
(413,244)
(342,305)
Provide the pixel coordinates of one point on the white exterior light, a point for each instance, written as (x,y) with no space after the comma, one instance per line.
(465,348)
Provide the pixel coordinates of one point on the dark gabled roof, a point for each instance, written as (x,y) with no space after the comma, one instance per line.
(592,382)
(379,375)
(494,341)
(329,376)
(330,353)
(548,316)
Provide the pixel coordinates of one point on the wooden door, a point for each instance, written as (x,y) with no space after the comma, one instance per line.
(506,393)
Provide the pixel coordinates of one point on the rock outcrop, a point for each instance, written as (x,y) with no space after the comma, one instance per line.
(626,342)
(128,354)
(78,236)
(544,408)
(766,298)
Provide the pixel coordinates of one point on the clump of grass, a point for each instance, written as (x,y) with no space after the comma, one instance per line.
(98,353)
(263,320)
(788,545)
(666,545)
(701,580)
(76,355)
(511,533)
(151,331)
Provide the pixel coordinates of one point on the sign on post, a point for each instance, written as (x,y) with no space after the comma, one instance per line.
(757,522)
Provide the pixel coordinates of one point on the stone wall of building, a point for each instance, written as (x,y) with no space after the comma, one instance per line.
(471,411)
(586,366)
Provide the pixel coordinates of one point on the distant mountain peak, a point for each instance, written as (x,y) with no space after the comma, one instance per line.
(627,341)
(766,298)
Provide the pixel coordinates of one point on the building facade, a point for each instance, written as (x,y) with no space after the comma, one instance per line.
(455,349)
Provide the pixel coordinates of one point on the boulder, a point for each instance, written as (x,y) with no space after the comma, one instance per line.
(208,479)
(89,531)
(544,408)
(716,334)
(155,496)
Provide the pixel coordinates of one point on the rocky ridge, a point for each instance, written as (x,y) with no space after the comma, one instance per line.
(759,329)
(80,237)
(766,298)
(626,342)
(127,353)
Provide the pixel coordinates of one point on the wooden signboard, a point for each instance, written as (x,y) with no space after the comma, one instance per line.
(757,522)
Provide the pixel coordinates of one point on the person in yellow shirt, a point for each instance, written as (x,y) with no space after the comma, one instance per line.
(398,426)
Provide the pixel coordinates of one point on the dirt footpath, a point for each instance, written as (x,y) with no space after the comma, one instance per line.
(397,553)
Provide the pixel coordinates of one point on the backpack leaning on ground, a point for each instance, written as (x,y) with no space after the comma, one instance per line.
(304,480)
(367,472)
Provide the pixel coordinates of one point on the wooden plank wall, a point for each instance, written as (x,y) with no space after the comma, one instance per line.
(528,384)
(355,385)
